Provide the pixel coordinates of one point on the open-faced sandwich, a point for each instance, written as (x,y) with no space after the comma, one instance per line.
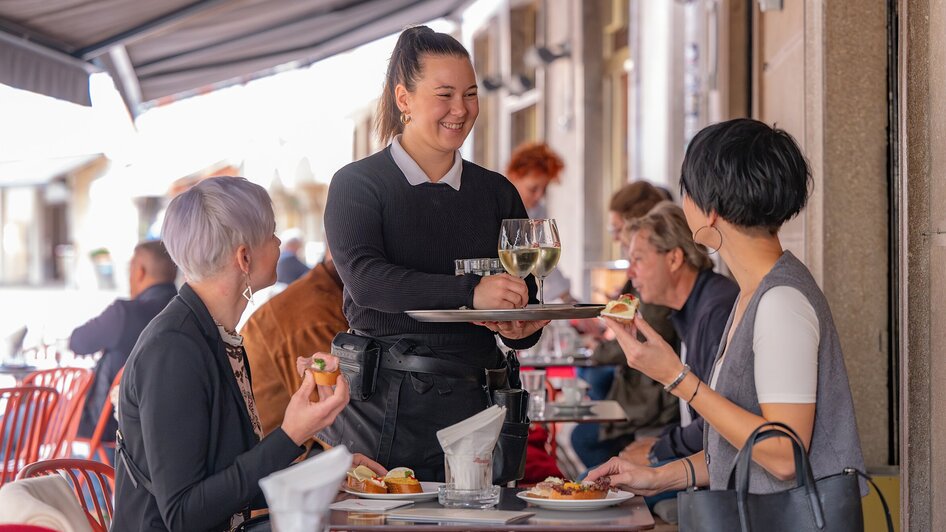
(622,308)
(398,480)
(364,480)
(402,480)
(325,371)
(557,488)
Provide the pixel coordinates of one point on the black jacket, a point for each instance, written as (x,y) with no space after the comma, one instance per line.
(185,425)
(115,332)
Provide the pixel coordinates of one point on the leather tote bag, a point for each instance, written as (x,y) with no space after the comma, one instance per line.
(830,504)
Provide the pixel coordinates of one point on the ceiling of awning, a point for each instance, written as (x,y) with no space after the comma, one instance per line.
(158,49)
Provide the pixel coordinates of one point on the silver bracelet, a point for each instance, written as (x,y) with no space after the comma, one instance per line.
(683,373)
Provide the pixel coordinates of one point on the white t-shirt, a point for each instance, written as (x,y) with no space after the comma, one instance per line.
(785,341)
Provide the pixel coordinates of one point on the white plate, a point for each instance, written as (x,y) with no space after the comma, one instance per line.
(621,317)
(431,490)
(613,498)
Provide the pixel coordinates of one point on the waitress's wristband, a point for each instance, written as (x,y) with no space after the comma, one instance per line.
(683,373)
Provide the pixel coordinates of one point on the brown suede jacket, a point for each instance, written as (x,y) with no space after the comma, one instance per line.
(299,321)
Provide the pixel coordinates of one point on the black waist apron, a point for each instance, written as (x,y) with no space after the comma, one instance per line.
(425,383)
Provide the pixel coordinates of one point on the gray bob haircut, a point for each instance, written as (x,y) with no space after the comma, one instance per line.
(668,230)
(204,226)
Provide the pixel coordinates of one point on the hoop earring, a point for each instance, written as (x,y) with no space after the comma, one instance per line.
(405,118)
(711,250)
(248,293)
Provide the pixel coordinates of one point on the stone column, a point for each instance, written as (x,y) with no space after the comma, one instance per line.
(922,255)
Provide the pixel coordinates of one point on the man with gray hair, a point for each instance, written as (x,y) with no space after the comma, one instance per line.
(668,268)
(151,282)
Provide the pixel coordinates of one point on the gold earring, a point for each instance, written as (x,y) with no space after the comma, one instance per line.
(248,292)
(711,249)
(405,118)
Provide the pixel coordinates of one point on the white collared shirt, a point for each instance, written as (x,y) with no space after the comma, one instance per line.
(415,175)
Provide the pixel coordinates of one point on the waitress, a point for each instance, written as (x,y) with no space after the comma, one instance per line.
(395,222)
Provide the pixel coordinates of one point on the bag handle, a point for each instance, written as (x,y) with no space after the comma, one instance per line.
(883,500)
(744,459)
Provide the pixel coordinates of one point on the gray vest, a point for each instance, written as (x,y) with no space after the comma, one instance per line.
(834,443)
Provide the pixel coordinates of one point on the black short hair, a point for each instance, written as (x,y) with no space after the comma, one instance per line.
(751,174)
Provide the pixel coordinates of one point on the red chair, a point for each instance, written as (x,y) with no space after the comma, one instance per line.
(27,411)
(93,483)
(73,387)
(96,445)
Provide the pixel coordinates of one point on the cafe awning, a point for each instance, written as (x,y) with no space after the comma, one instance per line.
(166,48)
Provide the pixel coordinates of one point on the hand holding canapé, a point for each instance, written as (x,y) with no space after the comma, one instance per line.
(304,418)
(653,357)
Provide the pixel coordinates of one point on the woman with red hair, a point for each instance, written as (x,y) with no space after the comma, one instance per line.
(532,167)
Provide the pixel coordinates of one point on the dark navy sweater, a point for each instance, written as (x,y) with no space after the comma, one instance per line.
(394,244)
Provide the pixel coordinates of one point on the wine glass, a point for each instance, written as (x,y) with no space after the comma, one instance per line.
(545,237)
(516,249)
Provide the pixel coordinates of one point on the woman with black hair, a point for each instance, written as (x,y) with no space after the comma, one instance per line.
(395,222)
(780,357)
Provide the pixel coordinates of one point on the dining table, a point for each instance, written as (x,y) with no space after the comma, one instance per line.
(606,411)
(628,516)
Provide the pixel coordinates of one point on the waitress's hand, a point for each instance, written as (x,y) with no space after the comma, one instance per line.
(653,357)
(500,291)
(514,330)
(303,418)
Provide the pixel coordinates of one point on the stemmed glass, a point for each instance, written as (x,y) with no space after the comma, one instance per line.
(545,237)
(517,251)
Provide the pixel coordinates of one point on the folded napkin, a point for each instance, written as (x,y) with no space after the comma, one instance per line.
(367,505)
(468,448)
(299,496)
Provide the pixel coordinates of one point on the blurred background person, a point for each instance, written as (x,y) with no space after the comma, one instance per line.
(151,278)
(290,267)
(301,320)
(646,405)
(668,268)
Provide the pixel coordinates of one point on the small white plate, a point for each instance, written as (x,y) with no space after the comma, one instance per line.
(613,498)
(431,490)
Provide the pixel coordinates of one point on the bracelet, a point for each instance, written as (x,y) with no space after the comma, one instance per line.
(692,397)
(683,373)
(689,472)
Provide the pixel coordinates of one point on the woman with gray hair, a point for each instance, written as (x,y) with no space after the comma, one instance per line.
(190,451)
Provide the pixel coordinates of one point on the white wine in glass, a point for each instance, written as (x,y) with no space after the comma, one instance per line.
(545,237)
(516,249)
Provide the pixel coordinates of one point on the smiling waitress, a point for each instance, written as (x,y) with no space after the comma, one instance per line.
(395,222)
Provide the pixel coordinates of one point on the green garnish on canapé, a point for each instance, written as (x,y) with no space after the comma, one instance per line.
(319,364)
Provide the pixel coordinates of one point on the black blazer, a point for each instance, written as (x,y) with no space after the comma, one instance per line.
(185,425)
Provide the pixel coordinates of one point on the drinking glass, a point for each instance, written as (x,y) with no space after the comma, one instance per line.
(545,237)
(516,249)
(533,381)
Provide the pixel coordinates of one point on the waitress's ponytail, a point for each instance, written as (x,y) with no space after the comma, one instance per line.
(405,68)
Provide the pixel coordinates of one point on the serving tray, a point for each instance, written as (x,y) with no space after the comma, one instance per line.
(529,313)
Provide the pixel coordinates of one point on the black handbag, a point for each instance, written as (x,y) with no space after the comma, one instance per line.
(830,504)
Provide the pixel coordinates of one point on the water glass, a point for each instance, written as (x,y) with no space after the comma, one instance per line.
(533,381)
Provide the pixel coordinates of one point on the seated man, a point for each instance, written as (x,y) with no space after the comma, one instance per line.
(646,405)
(115,331)
(298,322)
(669,269)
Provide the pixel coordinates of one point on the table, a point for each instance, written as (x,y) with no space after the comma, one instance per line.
(631,515)
(587,412)
(540,362)
(17,372)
